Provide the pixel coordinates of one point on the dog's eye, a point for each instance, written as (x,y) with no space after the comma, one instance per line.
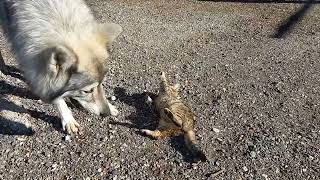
(89,91)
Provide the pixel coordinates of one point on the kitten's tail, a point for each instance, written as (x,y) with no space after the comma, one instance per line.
(190,140)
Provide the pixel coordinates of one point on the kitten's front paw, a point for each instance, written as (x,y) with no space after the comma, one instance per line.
(149,100)
(163,76)
(147,132)
(153,134)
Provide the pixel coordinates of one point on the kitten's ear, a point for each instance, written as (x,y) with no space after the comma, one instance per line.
(111,31)
(176,87)
(163,76)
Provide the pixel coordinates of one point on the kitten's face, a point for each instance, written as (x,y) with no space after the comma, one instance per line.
(171,91)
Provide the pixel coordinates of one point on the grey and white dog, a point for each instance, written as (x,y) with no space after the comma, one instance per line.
(61,50)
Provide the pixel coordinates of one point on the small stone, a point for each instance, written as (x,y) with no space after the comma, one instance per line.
(265,176)
(215,130)
(304,169)
(100,170)
(245,169)
(149,100)
(67,138)
(115,177)
(219,139)
(113,98)
(311,158)
(21,139)
(215,163)
(54,165)
(253,154)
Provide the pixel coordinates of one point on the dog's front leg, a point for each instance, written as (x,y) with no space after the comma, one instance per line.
(68,122)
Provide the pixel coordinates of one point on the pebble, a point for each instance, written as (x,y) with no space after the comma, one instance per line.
(68,138)
(245,169)
(304,169)
(149,100)
(113,98)
(311,158)
(115,177)
(265,176)
(217,163)
(215,130)
(253,154)
(54,166)
(219,139)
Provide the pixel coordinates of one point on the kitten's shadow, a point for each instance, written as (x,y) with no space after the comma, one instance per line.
(144,117)
(178,143)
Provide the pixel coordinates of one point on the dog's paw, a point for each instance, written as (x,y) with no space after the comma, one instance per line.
(114,111)
(71,127)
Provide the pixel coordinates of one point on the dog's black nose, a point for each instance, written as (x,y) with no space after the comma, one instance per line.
(103,114)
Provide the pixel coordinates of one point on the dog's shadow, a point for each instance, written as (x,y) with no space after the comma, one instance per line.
(12,127)
(146,117)
(8,127)
(12,71)
(9,89)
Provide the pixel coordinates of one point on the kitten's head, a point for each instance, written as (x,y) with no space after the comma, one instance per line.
(165,88)
(173,91)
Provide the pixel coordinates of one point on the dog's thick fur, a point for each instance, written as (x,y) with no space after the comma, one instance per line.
(61,50)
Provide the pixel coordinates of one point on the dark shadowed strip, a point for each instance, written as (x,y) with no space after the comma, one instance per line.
(288,25)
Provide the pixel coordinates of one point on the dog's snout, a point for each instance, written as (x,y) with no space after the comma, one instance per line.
(104,114)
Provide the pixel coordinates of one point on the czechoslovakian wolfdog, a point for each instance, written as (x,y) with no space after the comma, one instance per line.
(62,51)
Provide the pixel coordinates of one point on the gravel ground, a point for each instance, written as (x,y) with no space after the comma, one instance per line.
(256,97)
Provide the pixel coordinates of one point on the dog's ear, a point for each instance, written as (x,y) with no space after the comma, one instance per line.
(110,32)
(62,60)
(57,64)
